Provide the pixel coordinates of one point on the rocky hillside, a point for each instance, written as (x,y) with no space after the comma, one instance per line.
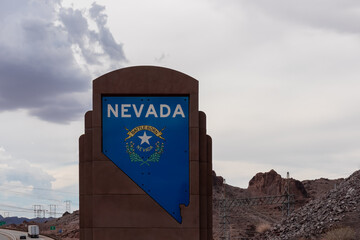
(320,187)
(243,221)
(337,209)
(66,227)
(320,206)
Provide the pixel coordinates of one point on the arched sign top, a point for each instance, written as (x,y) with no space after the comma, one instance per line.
(146,79)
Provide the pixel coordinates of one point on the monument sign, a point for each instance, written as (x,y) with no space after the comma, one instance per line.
(145,159)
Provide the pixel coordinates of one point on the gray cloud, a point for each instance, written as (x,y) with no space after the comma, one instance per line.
(337,15)
(21,178)
(77,27)
(38,67)
(27,174)
(114,50)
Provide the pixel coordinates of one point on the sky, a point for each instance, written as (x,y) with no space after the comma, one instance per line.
(278,81)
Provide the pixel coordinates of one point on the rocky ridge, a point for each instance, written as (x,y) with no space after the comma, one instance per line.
(319,207)
(66,227)
(340,207)
(243,220)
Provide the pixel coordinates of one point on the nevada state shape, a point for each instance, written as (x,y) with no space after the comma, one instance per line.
(148,139)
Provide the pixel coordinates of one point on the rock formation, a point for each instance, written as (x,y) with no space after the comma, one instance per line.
(320,206)
(338,208)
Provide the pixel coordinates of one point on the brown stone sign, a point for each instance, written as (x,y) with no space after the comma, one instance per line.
(117,200)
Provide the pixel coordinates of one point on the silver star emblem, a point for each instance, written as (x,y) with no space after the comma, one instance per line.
(144,138)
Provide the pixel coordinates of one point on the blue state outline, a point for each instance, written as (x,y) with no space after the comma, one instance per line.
(176,211)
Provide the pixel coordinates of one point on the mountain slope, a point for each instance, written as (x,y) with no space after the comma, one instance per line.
(340,207)
(320,205)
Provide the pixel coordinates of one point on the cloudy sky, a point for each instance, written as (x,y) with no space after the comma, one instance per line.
(279,82)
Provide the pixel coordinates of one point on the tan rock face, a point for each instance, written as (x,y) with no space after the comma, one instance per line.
(271,183)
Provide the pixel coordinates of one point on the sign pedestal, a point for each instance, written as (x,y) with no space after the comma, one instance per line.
(145,159)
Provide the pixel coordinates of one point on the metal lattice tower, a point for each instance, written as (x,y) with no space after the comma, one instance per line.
(229,207)
(225,232)
(287,205)
(52,212)
(68,206)
(39,211)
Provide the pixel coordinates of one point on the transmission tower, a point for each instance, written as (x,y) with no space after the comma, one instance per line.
(289,198)
(39,212)
(52,212)
(225,231)
(6,214)
(68,206)
(228,206)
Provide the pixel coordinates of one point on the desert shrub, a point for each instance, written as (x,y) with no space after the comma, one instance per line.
(263,227)
(344,233)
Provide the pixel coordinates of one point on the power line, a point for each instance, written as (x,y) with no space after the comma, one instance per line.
(36,196)
(15,207)
(38,210)
(27,192)
(32,195)
(38,188)
(22,211)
